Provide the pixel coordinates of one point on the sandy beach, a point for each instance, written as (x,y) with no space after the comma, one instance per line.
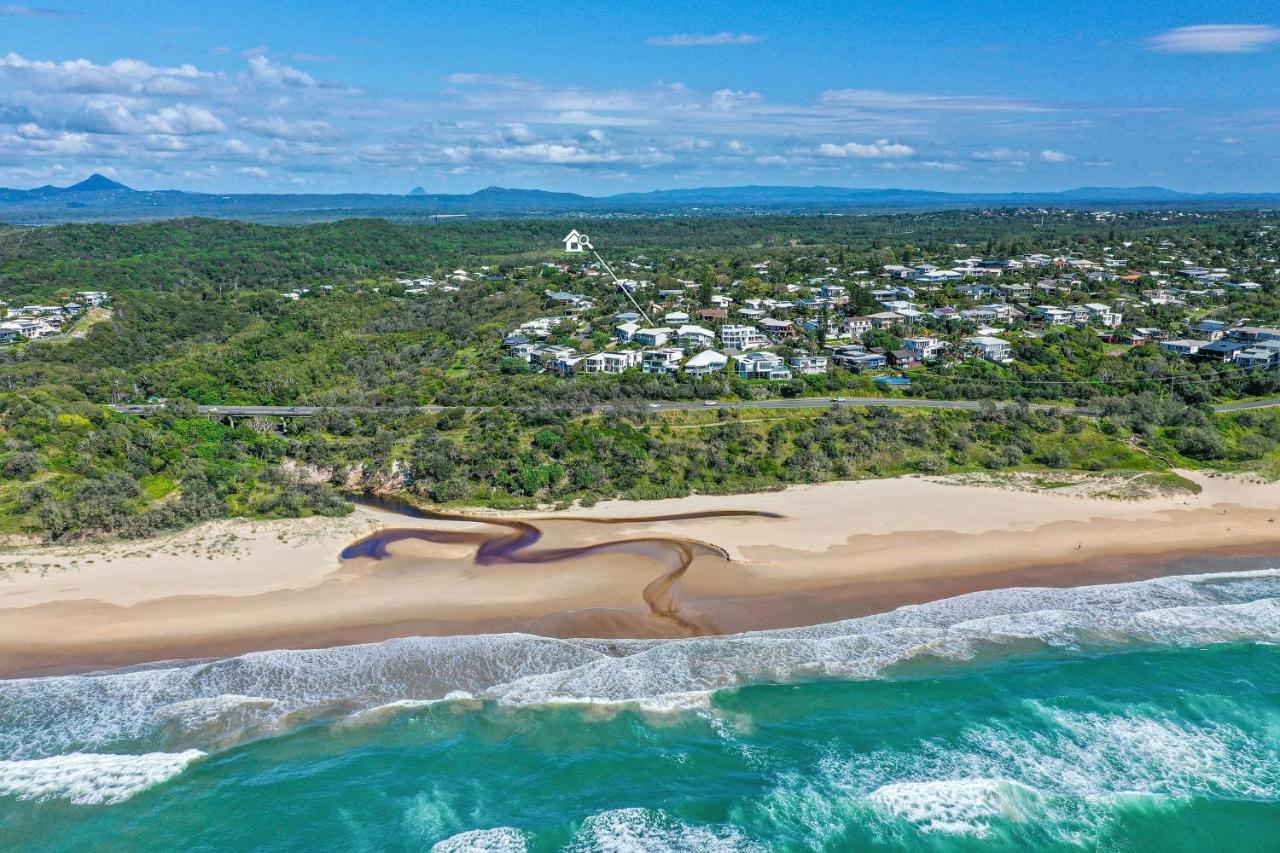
(616,569)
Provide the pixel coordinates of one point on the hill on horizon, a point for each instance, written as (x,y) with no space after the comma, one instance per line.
(99,198)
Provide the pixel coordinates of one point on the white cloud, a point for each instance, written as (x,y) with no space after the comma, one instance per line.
(727,100)
(1000,155)
(877,99)
(276,127)
(116,115)
(266,71)
(83,76)
(31,12)
(881,149)
(253,172)
(702,39)
(1050,156)
(1216,38)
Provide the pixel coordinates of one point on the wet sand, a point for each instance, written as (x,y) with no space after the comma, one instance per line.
(681,567)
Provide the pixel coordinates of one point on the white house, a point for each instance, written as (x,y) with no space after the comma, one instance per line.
(761,365)
(923,348)
(705,363)
(742,338)
(990,348)
(610,362)
(666,360)
(574,242)
(696,337)
(625,332)
(1183,346)
(656,337)
(808,365)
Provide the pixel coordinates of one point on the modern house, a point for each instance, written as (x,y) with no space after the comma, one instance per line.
(1260,355)
(696,337)
(856,326)
(742,338)
(803,364)
(856,358)
(626,332)
(991,348)
(610,362)
(924,348)
(656,337)
(1221,350)
(705,363)
(775,328)
(761,365)
(666,360)
(1183,346)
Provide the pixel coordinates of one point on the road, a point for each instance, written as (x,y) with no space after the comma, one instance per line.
(797,403)
(666,406)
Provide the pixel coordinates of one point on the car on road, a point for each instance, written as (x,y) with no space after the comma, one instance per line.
(710,402)
(838,399)
(655,405)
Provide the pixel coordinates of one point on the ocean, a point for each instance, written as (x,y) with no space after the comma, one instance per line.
(1125,717)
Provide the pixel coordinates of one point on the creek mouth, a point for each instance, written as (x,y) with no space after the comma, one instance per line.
(515,541)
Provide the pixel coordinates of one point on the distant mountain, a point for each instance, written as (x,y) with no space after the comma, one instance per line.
(98,198)
(96,183)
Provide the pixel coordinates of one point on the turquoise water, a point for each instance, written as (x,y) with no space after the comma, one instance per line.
(1142,716)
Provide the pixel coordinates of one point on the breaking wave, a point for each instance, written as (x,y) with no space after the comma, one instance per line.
(89,779)
(125,730)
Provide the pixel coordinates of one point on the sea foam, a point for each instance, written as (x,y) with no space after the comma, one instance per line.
(503,839)
(209,705)
(86,778)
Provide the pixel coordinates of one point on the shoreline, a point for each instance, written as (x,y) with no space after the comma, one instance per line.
(618,569)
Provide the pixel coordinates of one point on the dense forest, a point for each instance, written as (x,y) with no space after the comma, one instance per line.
(198,315)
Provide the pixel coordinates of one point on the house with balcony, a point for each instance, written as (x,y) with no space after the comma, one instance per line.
(706,363)
(761,365)
(662,361)
(611,363)
(1183,346)
(803,364)
(924,348)
(695,337)
(990,348)
(742,338)
(655,337)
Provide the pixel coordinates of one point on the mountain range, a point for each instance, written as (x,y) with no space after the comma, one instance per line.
(98,198)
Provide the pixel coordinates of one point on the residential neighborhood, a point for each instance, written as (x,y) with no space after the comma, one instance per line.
(775,323)
(37,322)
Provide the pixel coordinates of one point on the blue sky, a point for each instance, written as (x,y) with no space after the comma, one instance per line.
(946,94)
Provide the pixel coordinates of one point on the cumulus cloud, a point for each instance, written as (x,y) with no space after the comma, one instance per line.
(1216,38)
(117,116)
(264,70)
(727,100)
(1001,155)
(1051,156)
(277,127)
(83,76)
(881,149)
(702,39)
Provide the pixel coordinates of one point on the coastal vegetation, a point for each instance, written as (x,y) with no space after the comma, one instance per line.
(199,316)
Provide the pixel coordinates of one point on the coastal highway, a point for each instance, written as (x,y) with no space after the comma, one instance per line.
(655,405)
(797,403)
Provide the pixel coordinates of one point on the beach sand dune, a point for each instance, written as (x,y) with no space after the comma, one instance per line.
(697,565)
